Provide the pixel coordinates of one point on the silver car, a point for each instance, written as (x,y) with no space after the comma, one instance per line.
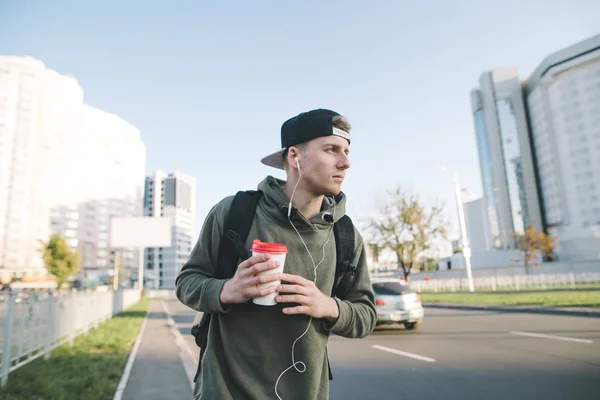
(397,303)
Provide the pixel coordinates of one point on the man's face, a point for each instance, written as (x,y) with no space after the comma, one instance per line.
(323,164)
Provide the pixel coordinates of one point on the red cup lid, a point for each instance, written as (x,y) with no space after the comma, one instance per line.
(268,248)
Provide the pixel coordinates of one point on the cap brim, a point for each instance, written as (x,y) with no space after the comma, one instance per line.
(274,160)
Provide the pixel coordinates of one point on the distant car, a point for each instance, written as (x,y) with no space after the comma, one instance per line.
(397,303)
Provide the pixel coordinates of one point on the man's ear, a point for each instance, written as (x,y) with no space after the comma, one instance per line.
(292,156)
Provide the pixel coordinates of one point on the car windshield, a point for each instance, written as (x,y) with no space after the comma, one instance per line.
(390,288)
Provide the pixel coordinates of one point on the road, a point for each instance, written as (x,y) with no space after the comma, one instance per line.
(457,354)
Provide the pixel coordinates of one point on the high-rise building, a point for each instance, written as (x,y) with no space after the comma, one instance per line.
(172,196)
(539,149)
(113,186)
(563,101)
(110,183)
(38,120)
(65,168)
(507,170)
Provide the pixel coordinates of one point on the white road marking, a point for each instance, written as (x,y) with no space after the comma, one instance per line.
(403,353)
(541,335)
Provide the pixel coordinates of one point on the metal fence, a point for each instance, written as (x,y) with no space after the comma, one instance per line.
(508,282)
(34,323)
(159,294)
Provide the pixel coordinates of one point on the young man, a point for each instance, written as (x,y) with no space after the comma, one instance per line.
(279,352)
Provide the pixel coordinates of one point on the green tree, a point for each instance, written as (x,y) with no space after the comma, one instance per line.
(406,226)
(60,260)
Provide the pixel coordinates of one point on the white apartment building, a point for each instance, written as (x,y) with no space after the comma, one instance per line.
(65,167)
(110,180)
(539,149)
(172,196)
(563,100)
(38,117)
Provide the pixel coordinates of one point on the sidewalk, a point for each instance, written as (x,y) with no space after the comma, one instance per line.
(573,311)
(157,372)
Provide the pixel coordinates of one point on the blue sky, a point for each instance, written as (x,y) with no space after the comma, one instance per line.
(209,83)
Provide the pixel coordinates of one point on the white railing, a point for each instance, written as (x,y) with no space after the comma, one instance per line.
(508,282)
(34,323)
(555,267)
(159,294)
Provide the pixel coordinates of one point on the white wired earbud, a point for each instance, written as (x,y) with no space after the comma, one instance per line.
(294,191)
(300,366)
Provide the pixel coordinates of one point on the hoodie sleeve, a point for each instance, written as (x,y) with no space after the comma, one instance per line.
(357,316)
(196,286)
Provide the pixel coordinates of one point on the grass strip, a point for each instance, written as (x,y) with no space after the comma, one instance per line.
(550,298)
(90,369)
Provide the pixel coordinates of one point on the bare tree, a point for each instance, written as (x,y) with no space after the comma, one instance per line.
(406,226)
(534,245)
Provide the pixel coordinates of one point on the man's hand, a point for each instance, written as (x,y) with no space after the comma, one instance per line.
(244,284)
(311,301)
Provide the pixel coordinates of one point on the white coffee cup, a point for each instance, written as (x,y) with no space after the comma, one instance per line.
(277,252)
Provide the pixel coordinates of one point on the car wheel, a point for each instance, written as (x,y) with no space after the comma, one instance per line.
(411,325)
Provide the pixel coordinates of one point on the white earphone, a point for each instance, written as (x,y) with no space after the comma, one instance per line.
(300,366)
(294,191)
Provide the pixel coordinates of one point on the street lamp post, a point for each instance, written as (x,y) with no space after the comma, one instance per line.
(116,276)
(466,249)
(463,233)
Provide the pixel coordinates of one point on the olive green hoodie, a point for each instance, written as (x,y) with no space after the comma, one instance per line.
(249,345)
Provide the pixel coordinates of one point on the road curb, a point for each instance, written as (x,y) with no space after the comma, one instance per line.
(578,312)
(187,358)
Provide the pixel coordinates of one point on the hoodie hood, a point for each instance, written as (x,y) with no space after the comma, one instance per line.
(276,205)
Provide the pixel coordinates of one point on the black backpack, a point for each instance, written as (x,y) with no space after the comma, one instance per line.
(231,249)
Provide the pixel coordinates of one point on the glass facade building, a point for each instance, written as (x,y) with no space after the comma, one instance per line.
(506,165)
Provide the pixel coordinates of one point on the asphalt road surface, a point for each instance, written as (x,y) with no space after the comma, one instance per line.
(457,354)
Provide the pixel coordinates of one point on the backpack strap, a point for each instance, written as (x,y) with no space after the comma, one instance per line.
(345,272)
(235,232)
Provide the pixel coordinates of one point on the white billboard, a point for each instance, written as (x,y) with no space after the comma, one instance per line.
(140,232)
